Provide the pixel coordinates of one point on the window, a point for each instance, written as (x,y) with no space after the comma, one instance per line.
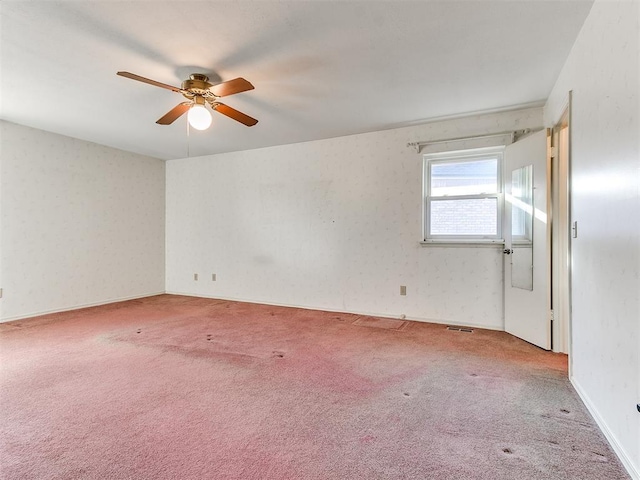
(463,195)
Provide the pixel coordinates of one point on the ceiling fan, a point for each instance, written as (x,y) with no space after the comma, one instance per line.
(200,92)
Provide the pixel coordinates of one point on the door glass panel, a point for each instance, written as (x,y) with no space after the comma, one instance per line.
(521,200)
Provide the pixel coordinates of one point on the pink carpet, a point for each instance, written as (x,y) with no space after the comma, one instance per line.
(174,387)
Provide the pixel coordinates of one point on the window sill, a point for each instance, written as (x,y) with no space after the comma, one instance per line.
(497,243)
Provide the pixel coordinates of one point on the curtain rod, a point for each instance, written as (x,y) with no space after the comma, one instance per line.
(515,134)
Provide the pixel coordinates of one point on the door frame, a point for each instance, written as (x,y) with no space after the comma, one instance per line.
(560,233)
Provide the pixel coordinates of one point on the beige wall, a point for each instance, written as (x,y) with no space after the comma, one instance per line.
(332,224)
(81,223)
(602,72)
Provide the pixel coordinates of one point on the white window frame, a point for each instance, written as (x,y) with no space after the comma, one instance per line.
(458,156)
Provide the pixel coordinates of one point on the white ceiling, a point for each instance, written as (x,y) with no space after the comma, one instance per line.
(320,69)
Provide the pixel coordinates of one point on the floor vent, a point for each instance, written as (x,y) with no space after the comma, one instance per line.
(461,329)
(385,323)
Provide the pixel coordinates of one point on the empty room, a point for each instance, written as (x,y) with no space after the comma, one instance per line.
(320,239)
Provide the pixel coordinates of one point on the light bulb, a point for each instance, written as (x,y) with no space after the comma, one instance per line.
(199,117)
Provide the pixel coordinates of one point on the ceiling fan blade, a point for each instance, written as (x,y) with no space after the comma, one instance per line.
(235,114)
(230,87)
(173,114)
(133,76)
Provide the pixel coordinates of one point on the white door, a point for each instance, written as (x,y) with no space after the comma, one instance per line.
(526,274)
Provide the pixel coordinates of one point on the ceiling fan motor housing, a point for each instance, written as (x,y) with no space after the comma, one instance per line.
(197,85)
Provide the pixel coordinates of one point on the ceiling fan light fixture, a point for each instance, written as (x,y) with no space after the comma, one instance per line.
(198,91)
(199,117)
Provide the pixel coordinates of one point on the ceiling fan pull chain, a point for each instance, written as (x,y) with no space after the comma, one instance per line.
(188,140)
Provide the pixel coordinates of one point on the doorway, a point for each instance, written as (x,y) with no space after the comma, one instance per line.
(561,231)
(539,310)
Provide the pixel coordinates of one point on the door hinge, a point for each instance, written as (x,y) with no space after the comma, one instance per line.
(553,151)
(551,315)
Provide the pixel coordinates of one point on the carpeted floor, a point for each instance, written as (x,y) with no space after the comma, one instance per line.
(174,387)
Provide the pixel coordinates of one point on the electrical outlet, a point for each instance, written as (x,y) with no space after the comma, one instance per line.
(195,277)
(403,289)
(213,277)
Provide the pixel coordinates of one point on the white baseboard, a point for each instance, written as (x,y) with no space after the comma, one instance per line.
(78,307)
(326,309)
(627,462)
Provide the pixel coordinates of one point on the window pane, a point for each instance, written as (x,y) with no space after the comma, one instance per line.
(476,216)
(464,177)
